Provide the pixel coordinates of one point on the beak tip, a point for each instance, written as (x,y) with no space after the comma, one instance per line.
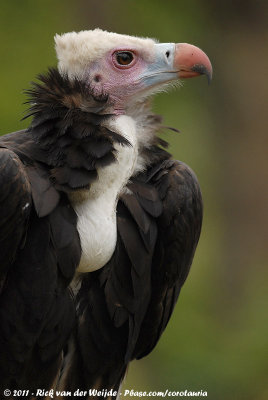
(209,77)
(192,61)
(201,69)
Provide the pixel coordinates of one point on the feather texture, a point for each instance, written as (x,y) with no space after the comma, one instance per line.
(86,338)
(124,307)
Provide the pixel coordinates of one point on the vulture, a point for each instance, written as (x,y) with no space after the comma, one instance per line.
(99,225)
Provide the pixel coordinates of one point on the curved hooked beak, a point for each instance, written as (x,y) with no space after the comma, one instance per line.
(175,61)
(190,61)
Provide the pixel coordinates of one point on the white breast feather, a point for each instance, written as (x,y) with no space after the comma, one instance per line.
(96,207)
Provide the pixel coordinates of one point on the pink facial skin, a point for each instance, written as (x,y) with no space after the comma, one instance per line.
(120,82)
(126,84)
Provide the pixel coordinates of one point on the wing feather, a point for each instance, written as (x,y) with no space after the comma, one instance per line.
(15,207)
(124,307)
(179,228)
(39,251)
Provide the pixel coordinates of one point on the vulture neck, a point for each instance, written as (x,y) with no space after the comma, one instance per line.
(90,154)
(96,207)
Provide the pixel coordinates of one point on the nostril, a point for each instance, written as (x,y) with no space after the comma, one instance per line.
(167,53)
(97,78)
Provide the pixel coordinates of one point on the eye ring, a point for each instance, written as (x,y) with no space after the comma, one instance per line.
(123,58)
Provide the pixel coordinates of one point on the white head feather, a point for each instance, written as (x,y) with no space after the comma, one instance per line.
(76,50)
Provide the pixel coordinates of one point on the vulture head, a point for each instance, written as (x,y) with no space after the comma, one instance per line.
(124,68)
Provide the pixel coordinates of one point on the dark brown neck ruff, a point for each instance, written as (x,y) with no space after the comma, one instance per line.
(67,130)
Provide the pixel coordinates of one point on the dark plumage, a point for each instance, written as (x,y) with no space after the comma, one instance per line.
(52,333)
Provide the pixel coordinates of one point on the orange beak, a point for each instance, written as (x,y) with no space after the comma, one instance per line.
(190,61)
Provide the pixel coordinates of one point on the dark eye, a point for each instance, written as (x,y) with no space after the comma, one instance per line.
(124,57)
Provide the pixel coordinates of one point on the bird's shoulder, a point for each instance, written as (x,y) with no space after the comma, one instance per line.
(15,206)
(40,250)
(178,231)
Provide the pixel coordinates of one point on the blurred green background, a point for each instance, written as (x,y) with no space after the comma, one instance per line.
(217,338)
